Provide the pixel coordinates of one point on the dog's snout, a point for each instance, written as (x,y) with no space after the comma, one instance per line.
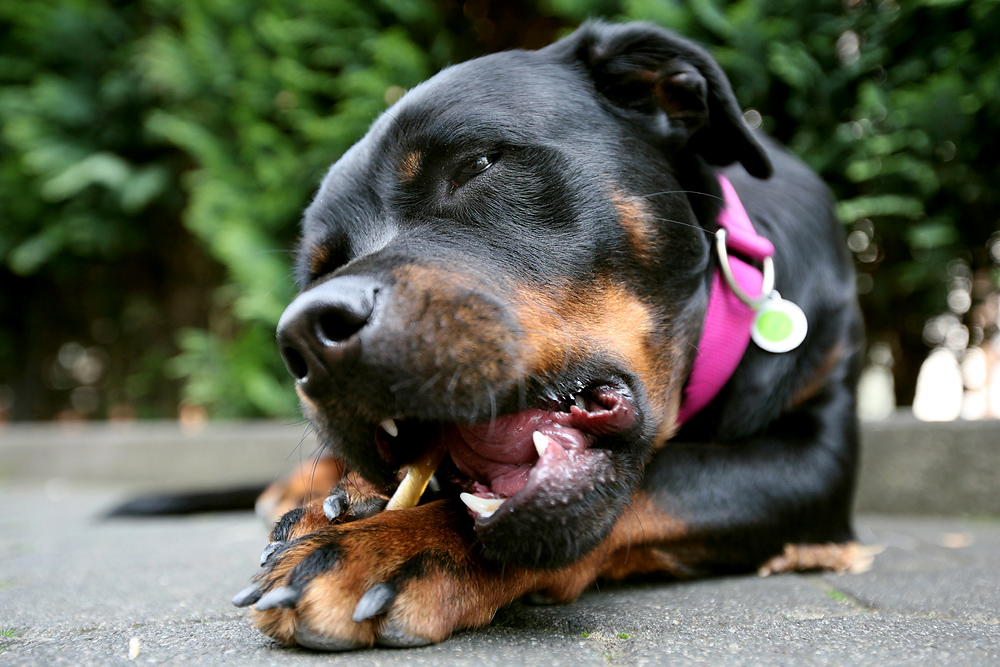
(319,326)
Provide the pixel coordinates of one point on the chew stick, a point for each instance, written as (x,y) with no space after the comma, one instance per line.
(416,480)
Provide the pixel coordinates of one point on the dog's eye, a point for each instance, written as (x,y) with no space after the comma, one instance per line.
(470,170)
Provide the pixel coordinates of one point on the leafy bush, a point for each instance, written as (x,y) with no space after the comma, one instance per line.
(155,156)
(219,115)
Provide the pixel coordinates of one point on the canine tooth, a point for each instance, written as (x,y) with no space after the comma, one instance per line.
(389,426)
(581,402)
(484,507)
(541,441)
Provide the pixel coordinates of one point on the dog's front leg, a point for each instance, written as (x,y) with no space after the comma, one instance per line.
(401,578)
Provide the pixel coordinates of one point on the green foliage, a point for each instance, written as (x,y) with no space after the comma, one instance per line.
(155,157)
(222,114)
(896,105)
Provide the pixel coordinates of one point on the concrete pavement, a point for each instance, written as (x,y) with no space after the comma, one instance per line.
(75,590)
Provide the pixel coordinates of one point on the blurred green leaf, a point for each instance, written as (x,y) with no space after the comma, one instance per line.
(155,156)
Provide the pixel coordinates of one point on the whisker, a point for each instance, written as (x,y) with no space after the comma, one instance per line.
(450,392)
(493,410)
(681,192)
(297,448)
(683,224)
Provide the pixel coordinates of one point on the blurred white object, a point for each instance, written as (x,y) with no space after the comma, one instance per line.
(939,388)
(974,374)
(993,390)
(876,387)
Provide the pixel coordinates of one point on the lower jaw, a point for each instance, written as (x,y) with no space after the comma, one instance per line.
(558,481)
(533,531)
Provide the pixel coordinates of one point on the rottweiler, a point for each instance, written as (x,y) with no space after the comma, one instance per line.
(545,268)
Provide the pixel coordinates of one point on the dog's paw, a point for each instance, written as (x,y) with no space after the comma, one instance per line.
(351,499)
(398,578)
(848,557)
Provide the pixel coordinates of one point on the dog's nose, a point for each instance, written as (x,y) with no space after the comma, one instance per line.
(320,327)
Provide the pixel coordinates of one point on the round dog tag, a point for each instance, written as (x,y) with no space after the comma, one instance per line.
(780,325)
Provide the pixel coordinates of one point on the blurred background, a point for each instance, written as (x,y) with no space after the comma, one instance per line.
(155,156)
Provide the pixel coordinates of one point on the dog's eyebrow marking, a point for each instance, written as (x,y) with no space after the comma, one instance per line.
(319,253)
(410,165)
(636,221)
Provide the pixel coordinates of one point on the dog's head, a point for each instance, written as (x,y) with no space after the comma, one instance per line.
(518,246)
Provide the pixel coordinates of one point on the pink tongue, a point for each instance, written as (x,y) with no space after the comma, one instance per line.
(507,439)
(500,455)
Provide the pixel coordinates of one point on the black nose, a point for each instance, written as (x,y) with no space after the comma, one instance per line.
(319,328)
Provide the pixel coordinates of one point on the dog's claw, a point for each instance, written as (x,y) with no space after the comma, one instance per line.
(269,550)
(282,597)
(375,601)
(247,596)
(334,506)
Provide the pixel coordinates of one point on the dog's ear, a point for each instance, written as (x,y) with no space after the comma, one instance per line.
(644,68)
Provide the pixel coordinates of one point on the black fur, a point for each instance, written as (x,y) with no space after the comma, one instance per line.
(631,109)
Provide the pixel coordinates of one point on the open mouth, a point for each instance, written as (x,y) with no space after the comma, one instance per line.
(542,456)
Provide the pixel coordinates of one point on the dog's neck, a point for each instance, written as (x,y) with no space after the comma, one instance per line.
(728,320)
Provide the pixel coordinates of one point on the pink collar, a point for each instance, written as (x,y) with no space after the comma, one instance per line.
(728,319)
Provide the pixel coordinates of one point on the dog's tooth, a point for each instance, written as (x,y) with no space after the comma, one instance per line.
(484,507)
(541,441)
(581,402)
(389,426)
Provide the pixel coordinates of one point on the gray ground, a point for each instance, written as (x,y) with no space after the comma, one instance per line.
(76,590)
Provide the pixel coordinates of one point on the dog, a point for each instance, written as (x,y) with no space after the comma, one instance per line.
(546,267)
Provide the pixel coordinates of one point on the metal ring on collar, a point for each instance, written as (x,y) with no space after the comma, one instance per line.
(767,286)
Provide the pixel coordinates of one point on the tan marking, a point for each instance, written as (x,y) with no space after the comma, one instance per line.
(630,549)
(409,166)
(371,551)
(637,223)
(556,324)
(604,318)
(641,525)
(818,380)
(310,409)
(463,593)
(319,253)
(597,318)
(849,557)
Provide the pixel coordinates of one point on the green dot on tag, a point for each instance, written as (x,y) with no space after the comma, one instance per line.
(780,325)
(774,325)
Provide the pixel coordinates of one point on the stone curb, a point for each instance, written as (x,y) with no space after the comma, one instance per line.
(908,466)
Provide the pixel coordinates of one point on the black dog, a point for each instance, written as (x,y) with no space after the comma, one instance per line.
(515,265)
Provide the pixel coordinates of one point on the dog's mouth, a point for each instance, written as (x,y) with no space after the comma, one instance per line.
(539,457)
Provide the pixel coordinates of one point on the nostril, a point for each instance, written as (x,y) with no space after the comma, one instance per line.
(296,364)
(336,326)
(316,331)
